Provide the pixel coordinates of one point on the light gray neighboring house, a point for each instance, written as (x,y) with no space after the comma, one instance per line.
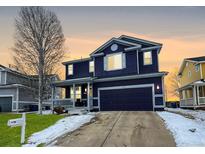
(18,92)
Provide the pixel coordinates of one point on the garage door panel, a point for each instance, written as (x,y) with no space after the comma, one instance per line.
(5,104)
(126,99)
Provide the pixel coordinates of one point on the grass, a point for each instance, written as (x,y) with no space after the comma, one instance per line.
(10,137)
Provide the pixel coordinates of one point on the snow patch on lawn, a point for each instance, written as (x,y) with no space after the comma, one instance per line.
(47,112)
(60,128)
(180,128)
(197,114)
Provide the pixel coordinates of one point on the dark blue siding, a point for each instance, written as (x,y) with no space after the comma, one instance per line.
(67,92)
(95,102)
(158,100)
(148,68)
(131,66)
(80,70)
(135,99)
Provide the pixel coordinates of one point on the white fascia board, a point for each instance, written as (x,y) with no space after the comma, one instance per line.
(98,54)
(77,60)
(140,40)
(133,48)
(15,85)
(108,42)
(151,48)
(182,67)
(131,77)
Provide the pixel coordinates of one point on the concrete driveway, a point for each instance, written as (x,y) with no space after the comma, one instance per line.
(121,129)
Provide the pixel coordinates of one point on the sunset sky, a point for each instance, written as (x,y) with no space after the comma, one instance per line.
(181,30)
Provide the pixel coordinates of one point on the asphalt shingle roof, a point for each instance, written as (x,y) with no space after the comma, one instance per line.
(198,59)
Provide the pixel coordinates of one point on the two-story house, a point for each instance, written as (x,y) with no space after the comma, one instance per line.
(191,82)
(19,92)
(122,74)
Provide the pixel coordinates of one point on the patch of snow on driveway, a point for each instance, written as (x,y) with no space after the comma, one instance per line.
(60,128)
(187,132)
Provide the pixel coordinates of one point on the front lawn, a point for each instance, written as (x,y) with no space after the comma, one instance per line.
(10,137)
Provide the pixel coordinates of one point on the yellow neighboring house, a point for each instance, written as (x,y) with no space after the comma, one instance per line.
(192,82)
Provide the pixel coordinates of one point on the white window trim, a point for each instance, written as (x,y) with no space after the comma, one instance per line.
(144,58)
(68,69)
(106,61)
(90,71)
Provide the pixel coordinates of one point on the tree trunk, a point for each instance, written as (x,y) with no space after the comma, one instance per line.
(41,77)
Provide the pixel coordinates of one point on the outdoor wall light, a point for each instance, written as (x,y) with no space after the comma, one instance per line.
(157,87)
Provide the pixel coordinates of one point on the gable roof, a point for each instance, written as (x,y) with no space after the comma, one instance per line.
(132,43)
(197,59)
(193,60)
(76,61)
(123,42)
(4,68)
(138,40)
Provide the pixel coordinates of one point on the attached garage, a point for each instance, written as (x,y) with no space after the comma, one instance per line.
(5,104)
(127,98)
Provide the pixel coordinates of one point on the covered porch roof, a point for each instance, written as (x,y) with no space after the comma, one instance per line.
(65,83)
(196,83)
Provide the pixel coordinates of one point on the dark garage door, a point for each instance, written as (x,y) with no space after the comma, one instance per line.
(133,99)
(5,104)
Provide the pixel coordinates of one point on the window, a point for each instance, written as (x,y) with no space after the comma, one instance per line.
(197,67)
(77,92)
(70,69)
(189,73)
(114,62)
(187,64)
(148,58)
(91,66)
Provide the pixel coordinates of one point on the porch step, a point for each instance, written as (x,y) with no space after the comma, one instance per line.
(77,111)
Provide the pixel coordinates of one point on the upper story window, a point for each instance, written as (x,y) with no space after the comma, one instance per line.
(91,66)
(197,67)
(114,61)
(147,58)
(70,69)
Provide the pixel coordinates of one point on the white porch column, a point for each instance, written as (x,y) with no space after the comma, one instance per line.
(74,95)
(197,95)
(17,100)
(88,96)
(194,95)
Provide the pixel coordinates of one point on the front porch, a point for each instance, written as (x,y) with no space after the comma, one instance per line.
(78,94)
(193,95)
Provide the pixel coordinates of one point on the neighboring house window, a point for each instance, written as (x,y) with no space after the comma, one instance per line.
(70,69)
(189,73)
(187,64)
(197,67)
(147,58)
(91,66)
(114,61)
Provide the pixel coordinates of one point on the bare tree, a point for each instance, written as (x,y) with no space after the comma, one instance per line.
(39,44)
(172,83)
